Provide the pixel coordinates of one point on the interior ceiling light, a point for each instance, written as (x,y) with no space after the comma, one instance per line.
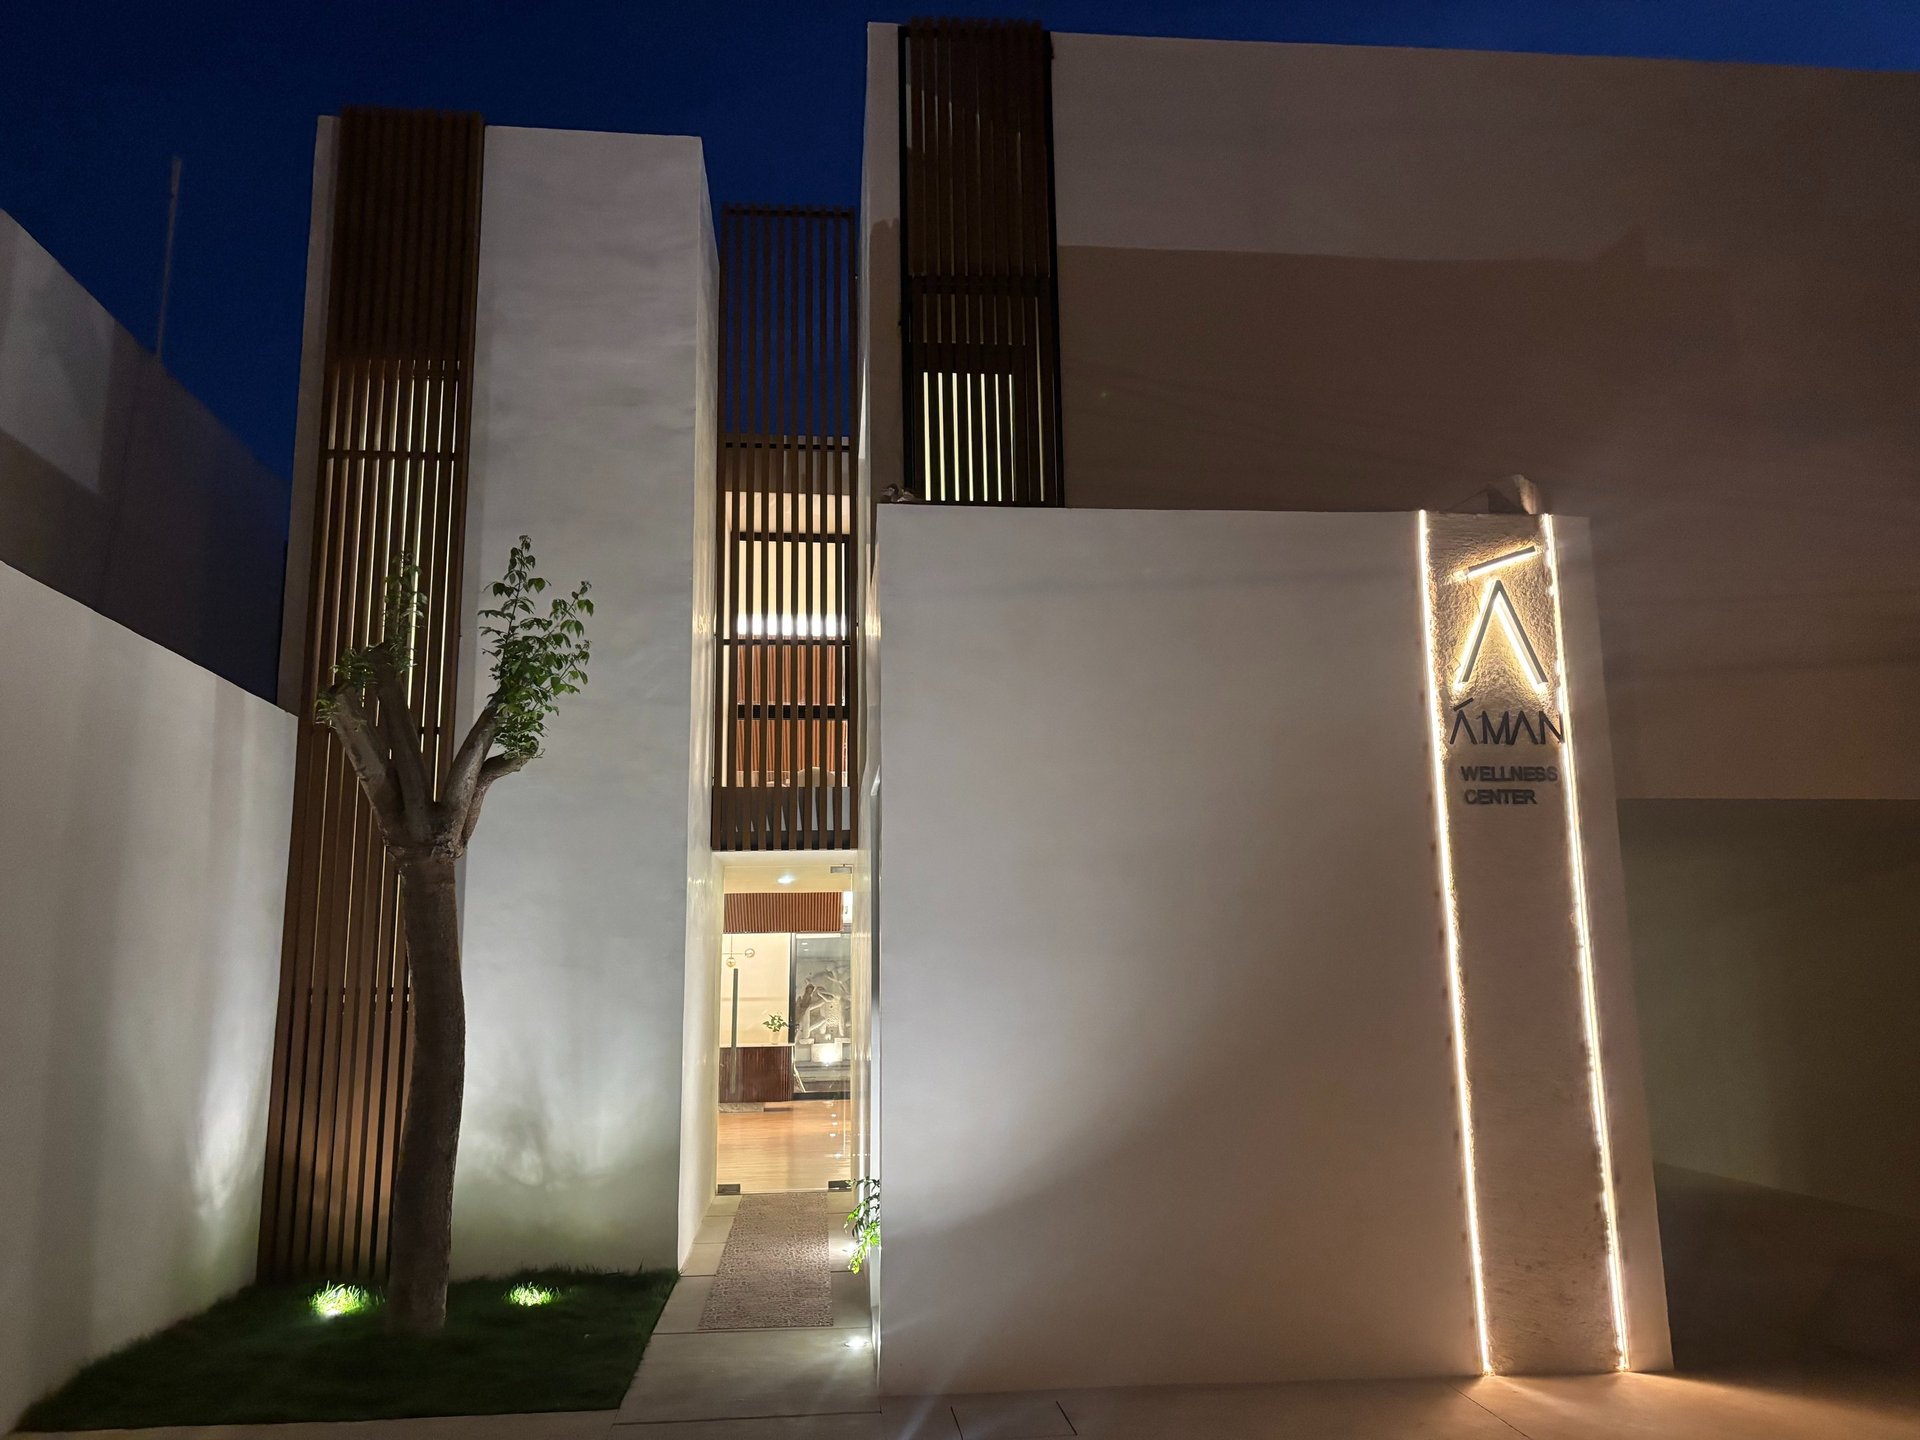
(786,879)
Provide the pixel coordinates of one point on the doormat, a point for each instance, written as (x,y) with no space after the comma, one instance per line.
(774,1273)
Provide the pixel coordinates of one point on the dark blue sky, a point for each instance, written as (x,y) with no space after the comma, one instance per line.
(95,98)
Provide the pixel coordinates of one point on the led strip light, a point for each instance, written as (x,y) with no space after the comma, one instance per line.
(1589,994)
(1498,602)
(1443,834)
(1499,562)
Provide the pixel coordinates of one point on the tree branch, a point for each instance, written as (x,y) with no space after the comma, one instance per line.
(494,769)
(464,773)
(403,738)
(353,727)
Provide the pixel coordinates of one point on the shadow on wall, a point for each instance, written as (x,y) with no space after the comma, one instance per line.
(121,491)
(1773,959)
(1766,405)
(1327,382)
(1774,947)
(1758,1278)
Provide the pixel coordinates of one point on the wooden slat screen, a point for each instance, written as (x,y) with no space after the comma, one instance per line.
(391,478)
(775,912)
(980,300)
(787,741)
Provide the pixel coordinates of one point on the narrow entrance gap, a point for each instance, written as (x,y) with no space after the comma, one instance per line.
(768,1319)
(784,1026)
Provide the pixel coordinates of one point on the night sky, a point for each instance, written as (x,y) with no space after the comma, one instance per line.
(95,98)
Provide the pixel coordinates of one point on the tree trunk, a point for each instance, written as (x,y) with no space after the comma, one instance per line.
(422,1235)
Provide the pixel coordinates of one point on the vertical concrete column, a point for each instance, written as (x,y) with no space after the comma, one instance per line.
(590,901)
(1516,882)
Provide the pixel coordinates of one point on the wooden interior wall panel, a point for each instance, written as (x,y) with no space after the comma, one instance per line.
(980,300)
(777,912)
(787,734)
(391,479)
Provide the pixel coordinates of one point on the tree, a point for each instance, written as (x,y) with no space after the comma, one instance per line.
(536,659)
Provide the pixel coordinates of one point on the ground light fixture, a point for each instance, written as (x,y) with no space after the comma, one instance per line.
(333,1301)
(530,1295)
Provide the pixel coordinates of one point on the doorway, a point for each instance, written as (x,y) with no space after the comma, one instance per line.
(784,1028)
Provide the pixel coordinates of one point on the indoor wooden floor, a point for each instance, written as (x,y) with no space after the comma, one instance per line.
(798,1146)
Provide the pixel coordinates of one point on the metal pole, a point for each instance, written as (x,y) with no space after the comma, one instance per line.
(166,264)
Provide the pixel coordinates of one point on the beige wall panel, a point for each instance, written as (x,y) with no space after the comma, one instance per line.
(1680,297)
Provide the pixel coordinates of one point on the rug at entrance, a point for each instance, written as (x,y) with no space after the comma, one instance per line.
(774,1272)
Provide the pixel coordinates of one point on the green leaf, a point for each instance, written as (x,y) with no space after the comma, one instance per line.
(537,658)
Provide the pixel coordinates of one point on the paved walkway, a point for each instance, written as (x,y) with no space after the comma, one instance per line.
(1624,1407)
(819,1384)
(787,1382)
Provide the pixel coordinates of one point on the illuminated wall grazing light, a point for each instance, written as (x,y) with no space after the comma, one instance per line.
(1450,907)
(1589,992)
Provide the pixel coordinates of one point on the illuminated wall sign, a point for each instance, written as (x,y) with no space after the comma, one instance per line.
(1536,1150)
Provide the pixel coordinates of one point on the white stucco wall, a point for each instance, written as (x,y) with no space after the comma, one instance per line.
(706,899)
(878,442)
(295,589)
(119,489)
(593,346)
(1168,1087)
(143,851)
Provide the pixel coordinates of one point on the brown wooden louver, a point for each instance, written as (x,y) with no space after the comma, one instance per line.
(780,912)
(787,711)
(391,478)
(980,300)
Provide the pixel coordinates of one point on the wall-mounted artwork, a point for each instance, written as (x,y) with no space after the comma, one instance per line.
(821,1012)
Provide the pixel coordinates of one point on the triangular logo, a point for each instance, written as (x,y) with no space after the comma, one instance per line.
(1496,602)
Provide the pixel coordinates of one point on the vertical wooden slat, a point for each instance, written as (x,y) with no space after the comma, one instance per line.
(786,630)
(391,479)
(760,573)
(809,912)
(806,653)
(786,378)
(979,295)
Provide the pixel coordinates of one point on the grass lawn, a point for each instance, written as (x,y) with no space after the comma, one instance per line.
(265,1355)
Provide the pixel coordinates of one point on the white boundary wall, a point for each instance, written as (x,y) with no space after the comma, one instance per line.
(143,852)
(1169,1082)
